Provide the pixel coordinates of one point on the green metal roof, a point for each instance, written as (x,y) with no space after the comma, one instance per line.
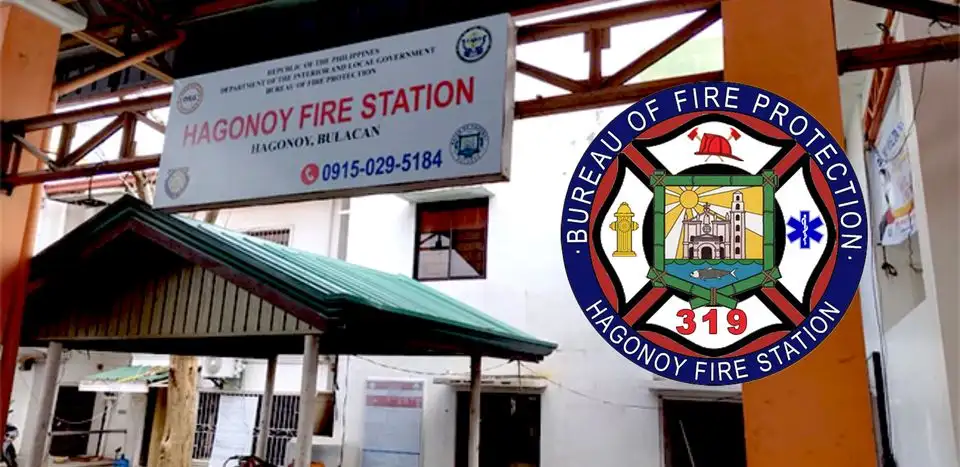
(132,374)
(339,293)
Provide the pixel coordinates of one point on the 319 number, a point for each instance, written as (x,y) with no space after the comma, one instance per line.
(736,321)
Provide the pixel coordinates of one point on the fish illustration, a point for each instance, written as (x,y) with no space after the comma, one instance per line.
(710,273)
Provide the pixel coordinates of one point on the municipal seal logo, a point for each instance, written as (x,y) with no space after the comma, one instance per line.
(714,233)
(474,44)
(189,98)
(177,181)
(469,143)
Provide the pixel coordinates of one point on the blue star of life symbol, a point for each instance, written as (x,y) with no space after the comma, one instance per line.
(805,229)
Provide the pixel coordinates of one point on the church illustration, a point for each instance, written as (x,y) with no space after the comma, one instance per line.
(709,235)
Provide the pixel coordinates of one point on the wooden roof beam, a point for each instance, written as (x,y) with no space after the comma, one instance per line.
(661,50)
(929,9)
(929,49)
(110,49)
(120,64)
(653,9)
(83,171)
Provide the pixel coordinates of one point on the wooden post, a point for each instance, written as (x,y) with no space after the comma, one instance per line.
(36,441)
(308,401)
(818,411)
(28,56)
(473,430)
(156,430)
(266,408)
(176,448)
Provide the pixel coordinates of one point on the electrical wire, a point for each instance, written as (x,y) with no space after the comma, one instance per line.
(552,382)
(426,373)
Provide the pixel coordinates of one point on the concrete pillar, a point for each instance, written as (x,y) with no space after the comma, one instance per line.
(818,411)
(266,408)
(28,54)
(35,443)
(473,433)
(308,401)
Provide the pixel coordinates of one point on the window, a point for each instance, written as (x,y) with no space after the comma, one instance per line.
(738,227)
(451,240)
(737,239)
(281,236)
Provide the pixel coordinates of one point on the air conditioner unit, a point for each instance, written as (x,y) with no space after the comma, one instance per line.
(220,367)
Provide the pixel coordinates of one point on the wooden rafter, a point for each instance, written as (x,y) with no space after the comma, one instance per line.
(880,84)
(595,41)
(118,65)
(81,171)
(604,97)
(929,49)
(661,50)
(583,94)
(653,9)
(550,77)
(929,9)
(110,49)
(89,145)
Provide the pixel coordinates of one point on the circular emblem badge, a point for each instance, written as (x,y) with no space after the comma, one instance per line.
(474,44)
(189,98)
(469,143)
(177,181)
(714,233)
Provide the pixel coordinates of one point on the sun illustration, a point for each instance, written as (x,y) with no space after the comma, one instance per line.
(711,222)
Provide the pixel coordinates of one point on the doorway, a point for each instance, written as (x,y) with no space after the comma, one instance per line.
(509,429)
(703,433)
(706,253)
(73,412)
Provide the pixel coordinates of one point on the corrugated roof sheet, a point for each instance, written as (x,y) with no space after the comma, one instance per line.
(132,374)
(338,293)
(334,279)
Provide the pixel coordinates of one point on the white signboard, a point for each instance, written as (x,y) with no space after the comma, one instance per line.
(891,176)
(422,110)
(392,423)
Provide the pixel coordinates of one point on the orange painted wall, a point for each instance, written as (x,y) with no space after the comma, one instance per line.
(817,412)
(28,52)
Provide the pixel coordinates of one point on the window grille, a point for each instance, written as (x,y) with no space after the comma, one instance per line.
(283,424)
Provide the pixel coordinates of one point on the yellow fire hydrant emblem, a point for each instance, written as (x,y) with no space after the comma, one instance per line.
(624,226)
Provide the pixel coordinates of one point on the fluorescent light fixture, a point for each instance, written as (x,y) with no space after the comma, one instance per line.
(64,18)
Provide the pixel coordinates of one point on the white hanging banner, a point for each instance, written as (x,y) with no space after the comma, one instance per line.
(891,176)
(236,418)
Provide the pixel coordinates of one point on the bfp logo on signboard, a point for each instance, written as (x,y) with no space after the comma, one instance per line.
(714,233)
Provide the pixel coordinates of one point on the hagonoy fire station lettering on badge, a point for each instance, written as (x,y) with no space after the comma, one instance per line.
(714,233)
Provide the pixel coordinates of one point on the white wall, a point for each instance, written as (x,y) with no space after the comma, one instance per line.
(939,160)
(74,366)
(526,287)
(903,315)
(313,224)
